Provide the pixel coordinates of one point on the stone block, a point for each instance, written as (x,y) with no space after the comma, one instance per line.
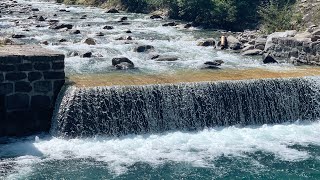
(42,86)
(40,102)
(17,101)
(10,59)
(25,67)
(7,68)
(54,75)
(15,76)
(33,76)
(6,88)
(58,66)
(42,66)
(2,103)
(23,86)
(1,77)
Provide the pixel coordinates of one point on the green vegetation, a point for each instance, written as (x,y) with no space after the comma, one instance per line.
(233,15)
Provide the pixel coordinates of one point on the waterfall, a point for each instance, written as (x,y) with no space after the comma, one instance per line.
(123,110)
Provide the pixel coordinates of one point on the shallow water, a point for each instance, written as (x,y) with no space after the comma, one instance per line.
(260,152)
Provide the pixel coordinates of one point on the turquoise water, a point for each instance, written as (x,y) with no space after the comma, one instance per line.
(287,151)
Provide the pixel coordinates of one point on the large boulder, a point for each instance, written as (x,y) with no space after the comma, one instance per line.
(112,10)
(304,36)
(233,43)
(61,26)
(316,32)
(207,42)
(144,48)
(90,41)
(269,42)
(252,52)
(268,59)
(122,63)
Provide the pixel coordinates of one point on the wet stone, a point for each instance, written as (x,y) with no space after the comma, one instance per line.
(32,76)
(14,76)
(6,88)
(54,75)
(40,102)
(58,66)
(17,101)
(42,66)
(42,86)
(23,86)
(7,68)
(1,77)
(25,67)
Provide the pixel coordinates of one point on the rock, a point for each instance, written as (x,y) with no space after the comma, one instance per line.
(249,47)
(124,38)
(167,58)
(18,36)
(122,63)
(316,32)
(155,56)
(6,41)
(87,55)
(144,48)
(269,42)
(112,10)
(45,42)
(304,36)
(125,23)
(75,32)
(73,53)
(90,41)
(315,38)
(187,26)
(108,27)
(233,43)
(62,40)
(62,10)
(61,26)
(252,52)
(214,63)
(259,46)
(170,24)
(267,59)
(123,19)
(99,34)
(83,17)
(128,31)
(124,66)
(207,42)
(34,9)
(156,17)
(41,18)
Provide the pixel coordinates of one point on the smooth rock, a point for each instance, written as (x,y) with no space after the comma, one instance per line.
(108,27)
(233,43)
(87,55)
(112,10)
(156,17)
(18,36)
(252,52)
(90,41)
(207,42)
(167,58)
(144,48)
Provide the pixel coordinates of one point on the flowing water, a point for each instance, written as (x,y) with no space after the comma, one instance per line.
(199,130)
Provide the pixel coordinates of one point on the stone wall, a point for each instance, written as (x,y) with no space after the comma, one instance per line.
(30,80)
(296,51)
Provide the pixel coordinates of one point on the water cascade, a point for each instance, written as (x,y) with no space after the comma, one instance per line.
(123,110)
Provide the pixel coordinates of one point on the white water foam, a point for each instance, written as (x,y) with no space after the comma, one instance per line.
(199,149)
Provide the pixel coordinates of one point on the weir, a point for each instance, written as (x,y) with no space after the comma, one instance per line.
(124,110)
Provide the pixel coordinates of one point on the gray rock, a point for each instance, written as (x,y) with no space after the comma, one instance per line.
(316,32)
(249,47)
(18,36)
(167,58)
(170,24)
(89,41)
(112,10)
(207,42)
(108,27)
(122,63)
(233,43)
(144,48)
(87,55)
(268,59)
(156,17)
(269,42)
(252,52)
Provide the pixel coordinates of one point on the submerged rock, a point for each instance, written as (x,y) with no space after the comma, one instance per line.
(108,27)
(41,18)
(76,32)
(214,63)
(18,36)
(144,48)
(87,55)
(156,17)
(170,24)
(61,26)
(166,58)
(99,34)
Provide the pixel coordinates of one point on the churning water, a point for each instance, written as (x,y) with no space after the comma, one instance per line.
(175,131)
